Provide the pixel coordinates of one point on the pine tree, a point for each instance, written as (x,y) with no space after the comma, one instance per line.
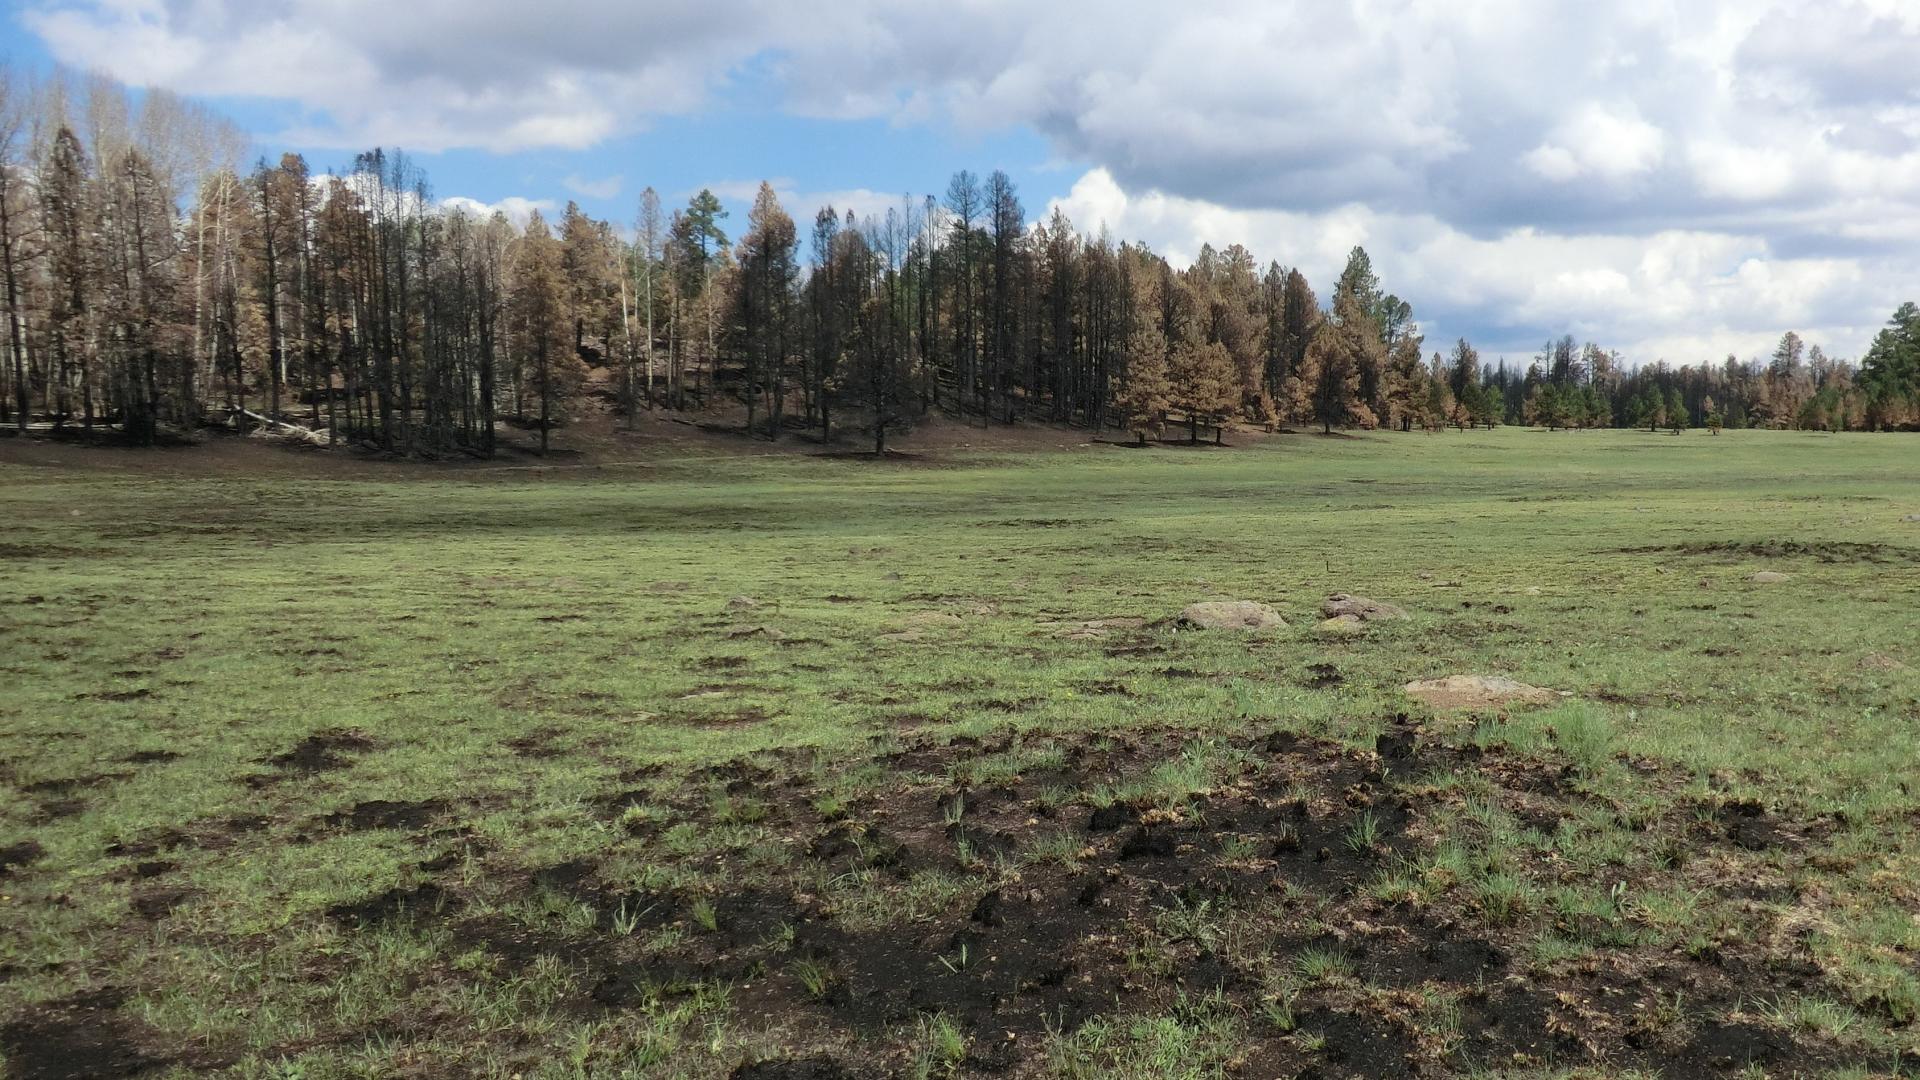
(1406,385)
(544,326)
(768,270)
(1205,385)
(1342,346)
(68,222)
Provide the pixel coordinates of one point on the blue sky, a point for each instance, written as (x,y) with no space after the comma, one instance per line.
(1675,181)
(740,139)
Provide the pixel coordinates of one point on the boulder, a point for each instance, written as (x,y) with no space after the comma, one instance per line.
(1480,692)
(1361,608)
(1231,615)
(1769,577)
(1343,625)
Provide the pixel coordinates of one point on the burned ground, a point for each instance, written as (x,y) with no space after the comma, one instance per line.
(1413,908)
(444,778)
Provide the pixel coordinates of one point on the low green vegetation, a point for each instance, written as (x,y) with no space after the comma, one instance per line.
(754,764)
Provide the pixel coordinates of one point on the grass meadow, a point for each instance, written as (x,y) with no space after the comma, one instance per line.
(785,766)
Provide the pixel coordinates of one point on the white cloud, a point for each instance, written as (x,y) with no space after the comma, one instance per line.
(606,188)
(517,208)
(1687,296)
(1782,131)
(1614,144)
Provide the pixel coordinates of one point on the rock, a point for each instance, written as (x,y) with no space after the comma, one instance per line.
(1911,518)
(742,603)
(1769,577)
(1343,625)
(1341,604)
(1533,590)
(1231,615)
(1880,662)
(1480,692)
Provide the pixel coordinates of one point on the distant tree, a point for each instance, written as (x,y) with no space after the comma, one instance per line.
(17,227)
(1145,389)
(1299,317)
(1340,348)
(544,326)
(1676,410)
(67,219)
(700,249)
(1890,371)
(649,241)
(1006,227)
(1440,405)
(1407,385)
(963,206)
(766,324)
(1205,385)
(1648,407)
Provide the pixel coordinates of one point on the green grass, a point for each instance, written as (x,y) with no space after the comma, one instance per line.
(521,647)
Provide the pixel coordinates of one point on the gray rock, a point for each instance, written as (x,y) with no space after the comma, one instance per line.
(1480,692)
(1231,615)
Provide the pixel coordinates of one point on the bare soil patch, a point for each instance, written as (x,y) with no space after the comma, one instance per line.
(1822,551)
(81,1036)
(1130,906)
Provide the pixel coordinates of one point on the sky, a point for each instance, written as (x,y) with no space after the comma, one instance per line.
(1676,180)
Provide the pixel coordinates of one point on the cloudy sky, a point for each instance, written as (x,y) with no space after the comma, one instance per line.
(1677,179)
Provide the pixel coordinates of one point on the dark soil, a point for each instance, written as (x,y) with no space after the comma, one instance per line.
(1824,551)
(420,902)
(322,751)
(24,853)
(814,1068)
(1271,846)
(82,1036)
(382,814)
(1324,677)
(1143,906)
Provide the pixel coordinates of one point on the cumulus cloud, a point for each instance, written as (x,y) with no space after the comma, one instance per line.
(517,208)
(802,204)
(606,188)
(1778,141)
(1687,296)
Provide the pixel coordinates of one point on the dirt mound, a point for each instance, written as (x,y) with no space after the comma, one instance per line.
(1231,615)
(1479,692)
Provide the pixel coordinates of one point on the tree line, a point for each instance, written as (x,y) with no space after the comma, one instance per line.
(150,284)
